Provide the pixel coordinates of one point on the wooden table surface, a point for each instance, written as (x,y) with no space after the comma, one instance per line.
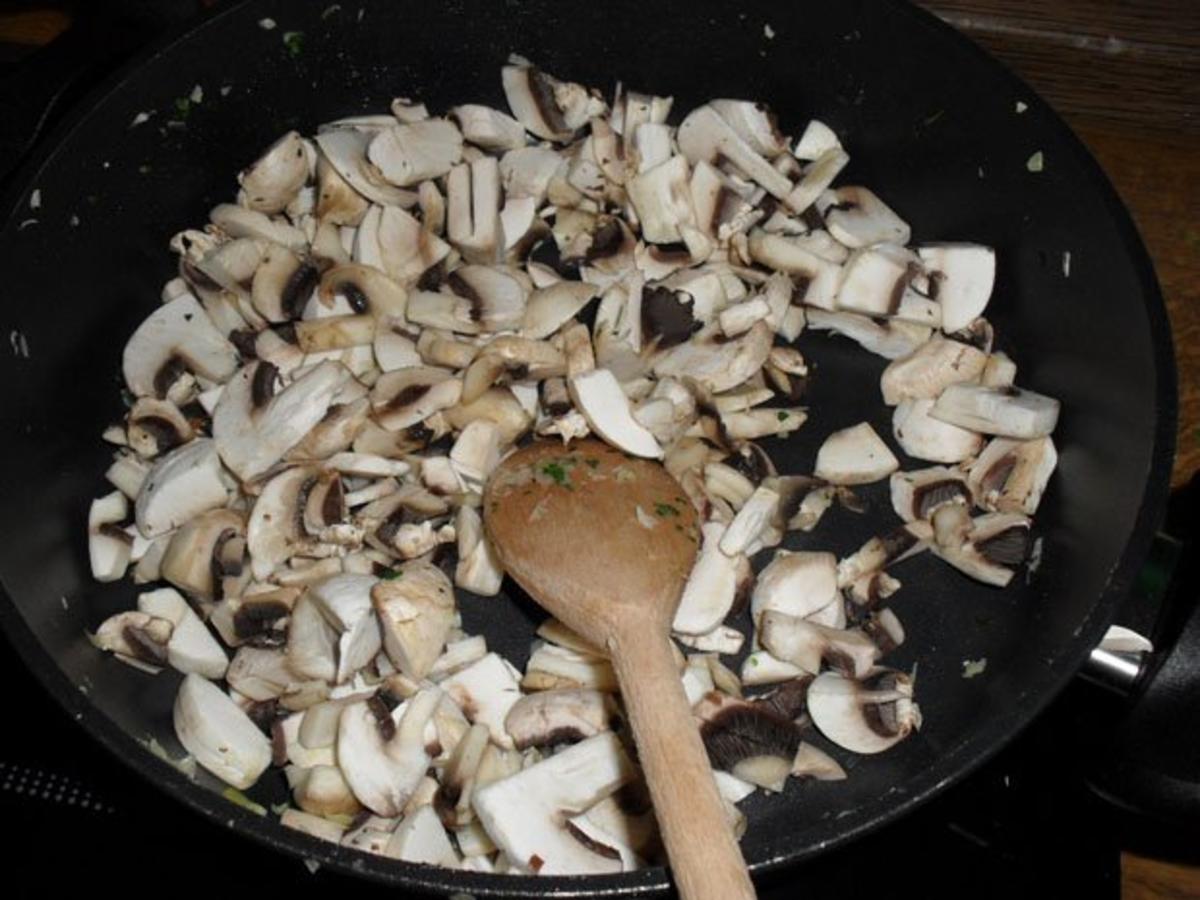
(1126,76)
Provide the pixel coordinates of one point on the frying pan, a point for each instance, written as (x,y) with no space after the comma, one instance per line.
(931,125)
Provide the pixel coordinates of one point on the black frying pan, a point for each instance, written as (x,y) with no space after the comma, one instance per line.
(931,124)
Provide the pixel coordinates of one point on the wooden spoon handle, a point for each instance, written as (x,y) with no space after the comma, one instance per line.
(704,855)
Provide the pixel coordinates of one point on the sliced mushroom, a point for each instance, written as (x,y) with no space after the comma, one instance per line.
(240,222)
(808,645)
(815,278)
(1010,476)
(797,584)
(204,551)
(991,549)
(473,210)
(1000,371)
(523,813)
(551,109)
(222,738)
(750,523)
(598,396)
(109,545)
(181,485)
(136,638)
(922,436)
(346,603)
(704,136)
(312,642)
(346,151)
(253,426)
(915,495)
(930,369)
(485,691)
(549,718)
(177,337)
(718,365)
(1006,412)
(713,585)
(551,667)
(408,154)
(416,613)
(961,278)
(867,716)
(552,307)
(890,339)
(274,179)
(662,199)
(856,217)
(855,455)
(408,396)
(382,753)
(478,569)
(879,552)
(751,743)
(322,790)
(812,762)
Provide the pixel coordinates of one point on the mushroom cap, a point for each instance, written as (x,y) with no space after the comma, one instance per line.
(177,336)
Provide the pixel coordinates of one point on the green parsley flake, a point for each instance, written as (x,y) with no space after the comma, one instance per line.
(782,415)
(665,509)
(183,106)
(557,472)
(233,795)
(294,41)
(391,574)
(1036,163)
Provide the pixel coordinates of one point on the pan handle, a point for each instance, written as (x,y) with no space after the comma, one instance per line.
(1146,758)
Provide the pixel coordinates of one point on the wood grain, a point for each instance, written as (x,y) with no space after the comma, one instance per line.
(1153,879)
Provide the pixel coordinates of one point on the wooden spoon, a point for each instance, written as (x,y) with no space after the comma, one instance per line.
(605,542)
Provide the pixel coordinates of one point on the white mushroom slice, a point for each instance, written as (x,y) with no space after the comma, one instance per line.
(930,369)
(406,247)
(488,128)
(204,551)
(812,762)
(127,474)
(718,366)
(999,372)
(721,210)
(527,172)
(875,278)
(345,601)
(476,452)
(181,485)
(408,154)
(1005,412)
(751,521)
(346,151)
(598,396)
(383,755)
(136,638)
(752,743)
(260,674)
(879,552)
(736,319)
(524,813)
(409,396)
(663,200)
(867,716)
(915,495)
(552,667)
(443,311)
(421,838)
(394,350)
(253,427)
(817,139)
(473,210)
(871,589)
(312,642)
(1010,476)
(758,423)
(552,307)
(724,639)
(485,691)
(498,406)
(856,217)
(109,545)
(176,337)
(457,656)
(798,584)
(990,550)
(891,339)
(713,585)
(372,835)
(816,278)
(416,613)
(818,175)
(961,278)
(922,436)
(321,789)
(704,137)
(525,358)
(283,284)
(760,668)
(550,108)
(478,569)
(549,718)
(855,455)
(337,202)
(808,645)
(273,180)
(222,738)
(754,123)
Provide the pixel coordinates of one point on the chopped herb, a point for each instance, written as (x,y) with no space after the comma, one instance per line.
(280,808)
(754,660)
(233,795)
(183,106)
(557,472)
(294,41)
(665,509)
(593,462)
(390,574)
(782,415)
(1036,163)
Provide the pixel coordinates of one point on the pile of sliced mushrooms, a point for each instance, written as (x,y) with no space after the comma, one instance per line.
(390,307)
